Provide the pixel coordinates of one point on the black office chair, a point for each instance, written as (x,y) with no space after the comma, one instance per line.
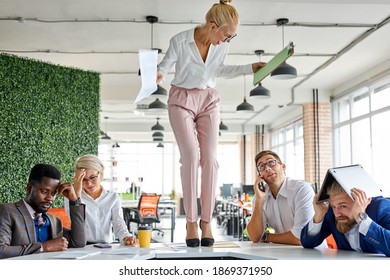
(147,212)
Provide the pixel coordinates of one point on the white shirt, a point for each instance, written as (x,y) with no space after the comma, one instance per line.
(292,209)
(191,71)
(102,215)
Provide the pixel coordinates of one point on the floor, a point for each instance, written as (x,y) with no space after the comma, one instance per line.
(219,232)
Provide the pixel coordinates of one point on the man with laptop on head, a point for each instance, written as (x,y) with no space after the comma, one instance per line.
(357,218)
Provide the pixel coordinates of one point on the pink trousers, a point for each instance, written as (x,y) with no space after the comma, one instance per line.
(194,118)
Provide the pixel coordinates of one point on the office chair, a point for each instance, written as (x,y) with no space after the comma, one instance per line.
(146,212)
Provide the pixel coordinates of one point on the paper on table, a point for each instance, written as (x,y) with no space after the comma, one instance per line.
(127,251)
(148,66)
(76,254)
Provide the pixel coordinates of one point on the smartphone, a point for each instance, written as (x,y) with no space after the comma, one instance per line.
(102,245)
(261,184)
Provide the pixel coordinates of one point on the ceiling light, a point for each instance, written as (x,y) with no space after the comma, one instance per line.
(157,126)
(161,92)
(157,134)
(284,71)
(245,106)
(158,139)
(160,145)
(222,126)
(157,105)
(259,91)
(116,145)
(105,136)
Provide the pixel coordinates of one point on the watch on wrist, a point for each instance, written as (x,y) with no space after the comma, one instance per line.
(77,202)
(361,217)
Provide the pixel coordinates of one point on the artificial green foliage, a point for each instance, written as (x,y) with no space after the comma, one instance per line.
(48,114)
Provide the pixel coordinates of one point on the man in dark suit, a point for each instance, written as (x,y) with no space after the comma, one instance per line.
(359,223)
(27,228)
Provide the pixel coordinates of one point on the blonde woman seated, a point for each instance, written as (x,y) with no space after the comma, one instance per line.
(103,207)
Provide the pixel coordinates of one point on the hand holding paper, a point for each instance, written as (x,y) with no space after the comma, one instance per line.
(148,66)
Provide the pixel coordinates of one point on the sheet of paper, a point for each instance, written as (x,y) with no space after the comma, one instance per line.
(126,251)
(75,254)
(148,66)
(273,63)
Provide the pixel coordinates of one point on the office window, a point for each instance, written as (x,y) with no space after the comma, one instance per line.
(360,121)
(287,142)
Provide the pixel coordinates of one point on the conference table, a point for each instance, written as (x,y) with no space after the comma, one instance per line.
(169,205)
(228,250)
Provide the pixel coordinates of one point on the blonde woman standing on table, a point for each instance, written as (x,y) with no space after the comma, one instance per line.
(103,207)
(199,56)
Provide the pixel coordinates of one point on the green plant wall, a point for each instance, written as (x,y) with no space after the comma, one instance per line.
(48,114)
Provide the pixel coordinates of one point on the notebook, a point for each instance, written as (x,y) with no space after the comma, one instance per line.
(352,176)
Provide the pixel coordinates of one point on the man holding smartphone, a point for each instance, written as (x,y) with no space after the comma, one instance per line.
(282,207)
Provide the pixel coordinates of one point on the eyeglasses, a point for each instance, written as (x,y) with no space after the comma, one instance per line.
(270,163)
(93,179)
(228,37)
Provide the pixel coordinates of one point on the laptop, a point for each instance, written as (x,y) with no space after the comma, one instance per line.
(352,176)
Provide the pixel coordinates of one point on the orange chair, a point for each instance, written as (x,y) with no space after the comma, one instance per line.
(146,212)
(60,213)
(331,242)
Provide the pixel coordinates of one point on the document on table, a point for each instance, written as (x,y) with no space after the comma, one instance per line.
(76,254)
(148,66)
(126,251)
(274,63)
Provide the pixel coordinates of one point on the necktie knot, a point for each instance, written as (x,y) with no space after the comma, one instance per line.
(39,218)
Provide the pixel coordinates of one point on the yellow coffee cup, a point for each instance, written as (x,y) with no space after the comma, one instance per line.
(144,236)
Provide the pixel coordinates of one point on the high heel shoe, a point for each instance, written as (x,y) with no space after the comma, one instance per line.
(192,242)
(206,241)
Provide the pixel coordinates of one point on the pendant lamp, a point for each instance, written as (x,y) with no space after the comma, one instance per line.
(157,105)
(105,136)
(222,126)
(160,145)
(259,91)
(285,71)
(157,126)
(245,106)
(160,92)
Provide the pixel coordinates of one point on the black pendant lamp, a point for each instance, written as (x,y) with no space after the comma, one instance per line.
(285,71)
(157,126)
(158,134)
(160,145)
(157,105)
(259,91)
(116,145)
(245,106)
(105,135)
(222,126)
(160,92)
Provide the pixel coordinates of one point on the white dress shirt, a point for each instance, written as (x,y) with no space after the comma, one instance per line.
(292,209)
(191,71)
(103,216)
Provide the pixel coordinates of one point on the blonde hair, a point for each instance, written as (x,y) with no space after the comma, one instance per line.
(89,162)
(334,189)
(223,13)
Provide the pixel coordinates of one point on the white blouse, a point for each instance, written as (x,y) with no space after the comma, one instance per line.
(191,71)
(104,216)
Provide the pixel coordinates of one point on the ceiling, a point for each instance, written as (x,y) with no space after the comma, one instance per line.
(335,42)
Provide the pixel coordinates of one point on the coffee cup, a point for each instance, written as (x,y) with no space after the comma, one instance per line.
(144,236)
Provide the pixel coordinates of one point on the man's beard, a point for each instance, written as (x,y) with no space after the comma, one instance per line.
(344,227)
